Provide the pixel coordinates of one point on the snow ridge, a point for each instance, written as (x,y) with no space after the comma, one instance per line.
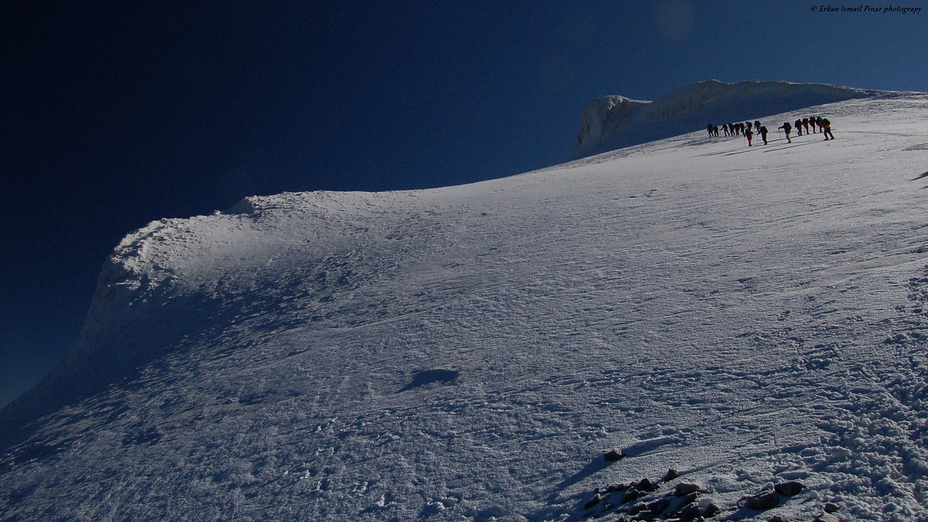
(172,279)
(614,122)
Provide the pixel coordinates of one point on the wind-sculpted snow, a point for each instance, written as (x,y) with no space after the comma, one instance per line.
(750,317)
(602,116)
(614,122)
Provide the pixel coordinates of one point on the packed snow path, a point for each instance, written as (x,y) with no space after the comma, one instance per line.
(743,315)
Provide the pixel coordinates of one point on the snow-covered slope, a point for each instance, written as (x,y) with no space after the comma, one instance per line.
(746,316)
(613,122)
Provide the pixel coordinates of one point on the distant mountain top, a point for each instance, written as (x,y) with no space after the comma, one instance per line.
(613,122)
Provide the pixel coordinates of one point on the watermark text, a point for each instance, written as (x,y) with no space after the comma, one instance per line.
(898,9)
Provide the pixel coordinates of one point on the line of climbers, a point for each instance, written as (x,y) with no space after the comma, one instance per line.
(748,130)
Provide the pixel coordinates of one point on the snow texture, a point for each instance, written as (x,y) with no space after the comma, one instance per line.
(748,316)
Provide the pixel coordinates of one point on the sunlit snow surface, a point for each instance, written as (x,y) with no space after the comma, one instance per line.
(743,315)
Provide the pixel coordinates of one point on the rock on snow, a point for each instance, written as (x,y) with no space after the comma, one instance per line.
(746,316)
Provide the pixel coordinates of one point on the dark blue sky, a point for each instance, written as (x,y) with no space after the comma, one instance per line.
(118,113)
